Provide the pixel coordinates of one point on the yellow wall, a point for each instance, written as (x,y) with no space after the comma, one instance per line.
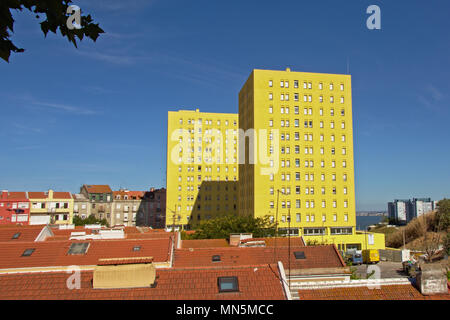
(342,241)
(255,107)
(187,186)
(48,200)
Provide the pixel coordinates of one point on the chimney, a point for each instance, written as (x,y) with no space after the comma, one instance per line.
(4,194)
(50,194)
(121,273)
(432,279)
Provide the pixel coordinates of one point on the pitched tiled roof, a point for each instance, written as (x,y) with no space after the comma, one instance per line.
(15,195)
(385,292)
(27,234)
(98,188)
(44,195)
(137,194)
(205,243)
(37,195)
(255,283)
(221,243)
(62,195)
(316,257)
(281,241)
(130,233)
(55,253)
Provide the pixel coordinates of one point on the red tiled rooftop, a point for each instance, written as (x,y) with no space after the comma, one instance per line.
(55,253)
(255,283)
(91,188)
(281,241)
(14,195)
(44,195)
(27,233)
(385,292)
(62,195)
(137,194)
(316,257)
(205,243)
(37,195)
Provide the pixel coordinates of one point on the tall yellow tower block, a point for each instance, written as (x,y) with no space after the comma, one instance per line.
(296,156)
(202,167)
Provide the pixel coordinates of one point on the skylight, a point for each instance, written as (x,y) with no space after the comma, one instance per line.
(228,284)
(216,258)
(299,255)
(137,248)
(16,236)
(78,248)
(28,252)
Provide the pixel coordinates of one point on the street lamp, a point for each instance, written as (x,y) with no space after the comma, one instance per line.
(289,245)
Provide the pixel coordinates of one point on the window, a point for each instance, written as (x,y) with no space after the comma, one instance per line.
(28,252)
(136,248)
(313,231)
(228,284)
(270,83)
(270,109)
(299,255)
(16,236)
(270,96)
(216,258)
(78,248)
(295,83)
(341,230)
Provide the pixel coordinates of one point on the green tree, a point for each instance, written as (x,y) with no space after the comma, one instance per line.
(447,244)
(221,228)
(443,214)
(56,16)
(89,220)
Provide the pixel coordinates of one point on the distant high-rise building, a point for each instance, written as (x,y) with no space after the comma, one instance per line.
(403,211)
(202,167)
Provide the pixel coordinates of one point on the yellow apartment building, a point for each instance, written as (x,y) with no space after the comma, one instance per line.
(202,167)
(51,207)
(296,162)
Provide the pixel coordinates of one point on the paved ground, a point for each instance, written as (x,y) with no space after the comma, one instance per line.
(387,269)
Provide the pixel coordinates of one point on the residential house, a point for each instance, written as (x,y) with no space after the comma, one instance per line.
(154,209)
(50,207)
(100,198)
(126,205)
(81,205)
(14,208)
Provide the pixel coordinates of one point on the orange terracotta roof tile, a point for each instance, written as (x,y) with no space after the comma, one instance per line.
(98,188)
(316,256)
(255,283)
(385,292)
(118,261)
(55,253)
(26,233)
(205,243)
(279,241)
(62,195)
(137,194)
(12,195)
(37,195)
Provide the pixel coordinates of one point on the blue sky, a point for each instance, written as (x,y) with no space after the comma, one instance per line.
(98,114)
